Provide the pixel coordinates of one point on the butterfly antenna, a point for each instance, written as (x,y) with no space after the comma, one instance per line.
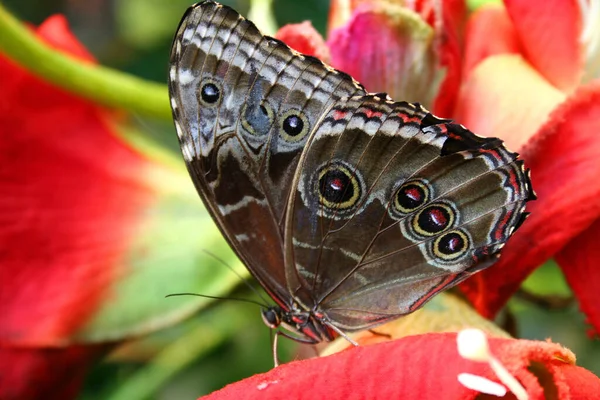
(244,281)
(218,298)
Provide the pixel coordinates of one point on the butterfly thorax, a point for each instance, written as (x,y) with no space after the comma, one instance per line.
(305,326)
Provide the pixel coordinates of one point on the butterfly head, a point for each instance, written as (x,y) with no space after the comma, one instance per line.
(304,326)
(272,316)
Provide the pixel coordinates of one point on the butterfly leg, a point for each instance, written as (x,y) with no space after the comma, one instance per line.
(299,339)
(386,335)
(341,333)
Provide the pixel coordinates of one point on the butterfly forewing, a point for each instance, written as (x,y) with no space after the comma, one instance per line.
(244,105)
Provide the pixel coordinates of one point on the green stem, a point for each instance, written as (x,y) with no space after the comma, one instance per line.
(100,84)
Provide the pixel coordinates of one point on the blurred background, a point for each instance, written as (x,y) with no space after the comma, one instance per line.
(228,341)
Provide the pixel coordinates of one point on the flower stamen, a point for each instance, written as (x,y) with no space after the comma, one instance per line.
(473,345)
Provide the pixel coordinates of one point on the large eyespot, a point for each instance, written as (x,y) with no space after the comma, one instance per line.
(410,196)
(433,219)
(210,92)
(339,187)
(257,120)
(451,245)
(294,125)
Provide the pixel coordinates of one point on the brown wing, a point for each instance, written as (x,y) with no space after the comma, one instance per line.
(393,205)
(244,105)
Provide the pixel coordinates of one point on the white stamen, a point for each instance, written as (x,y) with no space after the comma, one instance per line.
(265,384)
(481,384)
(473,345)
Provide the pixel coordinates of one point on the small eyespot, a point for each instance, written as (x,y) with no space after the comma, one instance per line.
(410,196)
(294,126)
(451,245)
(434,219)
(257,120)
(339,187)
(210,92)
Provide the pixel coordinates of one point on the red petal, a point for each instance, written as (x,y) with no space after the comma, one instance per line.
(564,157)
(72,199)
(549,31)
(38,374)
(55,31)
(423,367)
(578,382)
(305,39)
(450,55)
(489,31)
(579,262)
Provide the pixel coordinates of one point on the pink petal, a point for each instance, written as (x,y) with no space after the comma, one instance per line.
(388,49)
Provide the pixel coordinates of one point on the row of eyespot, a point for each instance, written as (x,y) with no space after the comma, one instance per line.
(340,190)
(294,123)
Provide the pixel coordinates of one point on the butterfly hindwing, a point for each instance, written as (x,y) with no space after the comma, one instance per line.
(392,205)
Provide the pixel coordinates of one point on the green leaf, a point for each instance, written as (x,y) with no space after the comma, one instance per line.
(176,249)
(547,280)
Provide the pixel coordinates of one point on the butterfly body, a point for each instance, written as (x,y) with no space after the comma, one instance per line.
(349,208)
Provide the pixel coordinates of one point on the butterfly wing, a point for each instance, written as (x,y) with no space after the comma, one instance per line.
(244,105)
(392,205)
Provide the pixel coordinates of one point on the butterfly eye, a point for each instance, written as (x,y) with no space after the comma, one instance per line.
(271,317)
(451,245)
(339,188)
(294,126)
(410,196)
(210,92)
(433,219)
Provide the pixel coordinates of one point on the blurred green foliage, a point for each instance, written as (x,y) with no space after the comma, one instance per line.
(228,341)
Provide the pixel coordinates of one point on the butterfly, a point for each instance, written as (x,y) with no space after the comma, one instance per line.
(349,208)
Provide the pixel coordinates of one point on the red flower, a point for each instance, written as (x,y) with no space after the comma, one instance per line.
(388,370)
(74,196)
(532,88)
